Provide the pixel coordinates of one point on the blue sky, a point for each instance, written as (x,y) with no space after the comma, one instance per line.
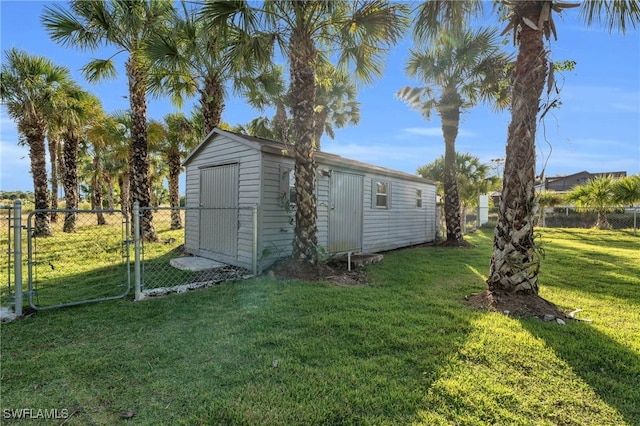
(597,128)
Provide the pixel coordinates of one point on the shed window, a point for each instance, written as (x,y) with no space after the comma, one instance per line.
(382,194)
(418,198)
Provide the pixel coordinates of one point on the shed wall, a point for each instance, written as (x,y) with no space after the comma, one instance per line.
(276,216)
(402,224)
(223,150)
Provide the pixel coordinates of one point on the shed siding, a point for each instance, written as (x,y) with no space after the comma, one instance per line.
(220,151)
(402,224)
(262,181)
(322,195)
(276,218)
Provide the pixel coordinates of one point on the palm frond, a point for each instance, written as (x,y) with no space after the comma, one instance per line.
(617,15)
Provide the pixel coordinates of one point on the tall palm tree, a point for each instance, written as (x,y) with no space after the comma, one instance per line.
(179,139)
(514,263)
(126,25)
(29,88)
(335,104)
(79,110)
(308,31)
(461,68)
(190,57)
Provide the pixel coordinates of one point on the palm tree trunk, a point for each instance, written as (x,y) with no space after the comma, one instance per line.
(174,190)
(97,188)
(302,74)
(70,181)
(514,264)
(35,135)
(54,144)
(281,122)
(110,190)
(212,102)
(449,110)
(140,183)
(320,119)
(123,183)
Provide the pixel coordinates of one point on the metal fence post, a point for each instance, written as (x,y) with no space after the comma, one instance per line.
(635,222)
(136,249)
(17,256)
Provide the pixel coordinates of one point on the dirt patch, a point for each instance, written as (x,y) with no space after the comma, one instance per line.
(515,304)
(338,273)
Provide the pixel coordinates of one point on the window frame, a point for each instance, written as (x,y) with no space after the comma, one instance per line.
(377,195)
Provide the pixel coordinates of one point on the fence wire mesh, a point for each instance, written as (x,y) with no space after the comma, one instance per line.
(167,267)
(590,217)
(85,263)
(6,257)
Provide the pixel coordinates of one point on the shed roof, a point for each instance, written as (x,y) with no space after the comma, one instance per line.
(323,159)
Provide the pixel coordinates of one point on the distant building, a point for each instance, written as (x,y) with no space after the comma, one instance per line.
(565,183)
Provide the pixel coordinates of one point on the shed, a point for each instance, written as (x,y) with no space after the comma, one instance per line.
(362,208)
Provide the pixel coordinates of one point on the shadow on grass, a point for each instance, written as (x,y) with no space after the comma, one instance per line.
(601,273)
(608,367)
(93,285)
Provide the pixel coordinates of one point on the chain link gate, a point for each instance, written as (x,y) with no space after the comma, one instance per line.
(88,264)
(11,261)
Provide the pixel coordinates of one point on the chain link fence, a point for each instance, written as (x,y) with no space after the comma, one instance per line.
(166,266)
(590,217)
(564,217)
(98,257)
(7,269)
(84,259)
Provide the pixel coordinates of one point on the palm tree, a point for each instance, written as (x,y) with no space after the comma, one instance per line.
(79,110)
(307,32)
(179,139)
(126,25)
(544,200)
(335,104)
(192,57)
(461,68)
(627,190)
(29,89)
(473,177)
(515,264)
(597,193)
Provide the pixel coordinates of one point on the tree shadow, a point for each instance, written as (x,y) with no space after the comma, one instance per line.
(611,369)
(599,266)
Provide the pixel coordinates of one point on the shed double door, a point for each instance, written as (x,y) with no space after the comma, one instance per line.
(219,209)
(345,212)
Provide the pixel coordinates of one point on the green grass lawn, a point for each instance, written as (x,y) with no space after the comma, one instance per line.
(402,350)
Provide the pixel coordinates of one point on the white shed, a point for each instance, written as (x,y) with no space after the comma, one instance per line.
(362,208)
